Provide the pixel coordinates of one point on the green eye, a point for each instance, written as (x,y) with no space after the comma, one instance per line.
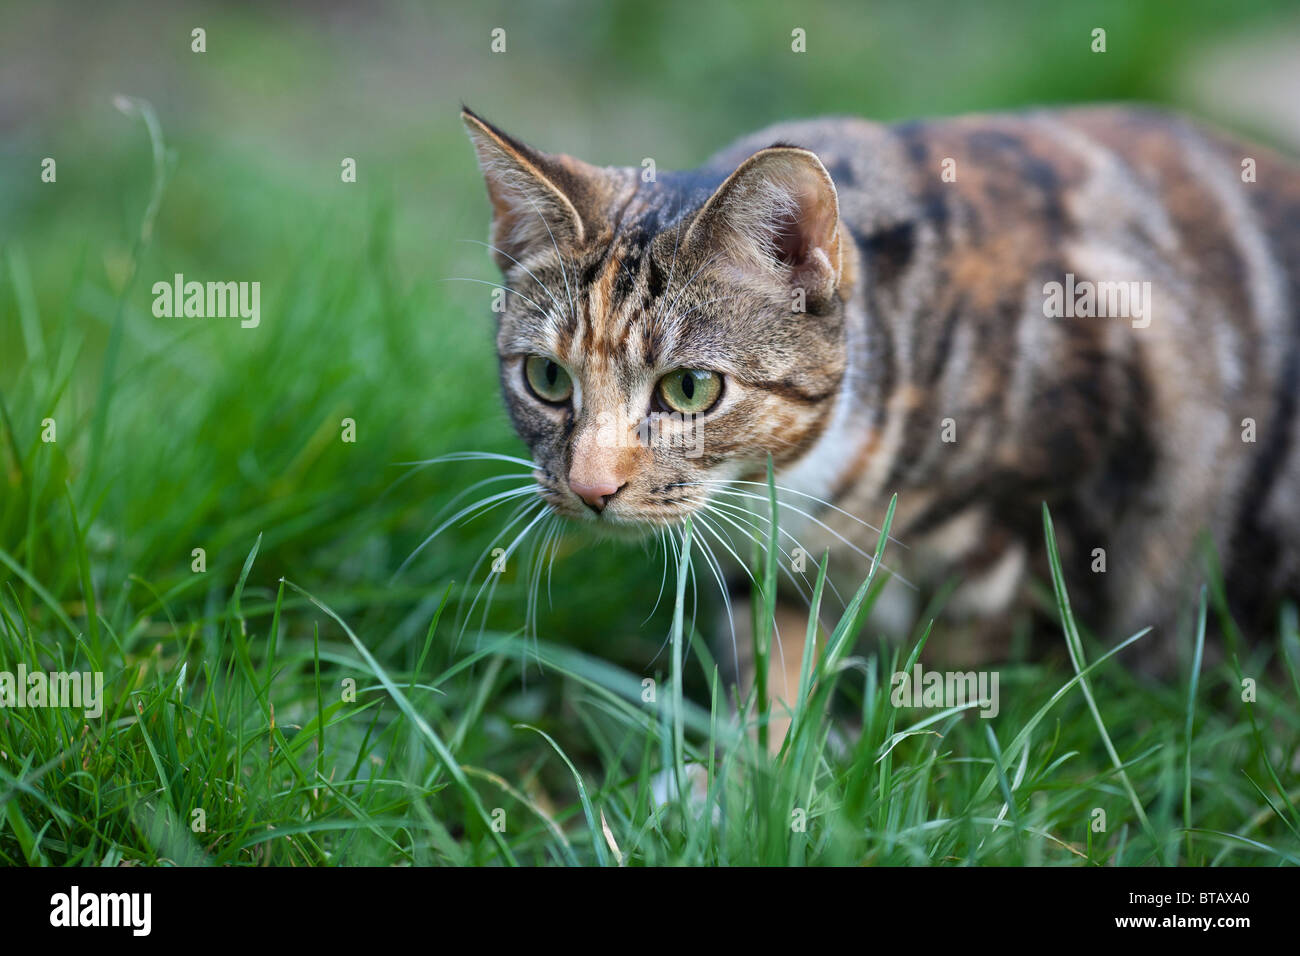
(547,378)
(690,390)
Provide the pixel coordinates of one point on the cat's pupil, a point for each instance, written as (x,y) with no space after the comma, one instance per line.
(552,373)
(688,386)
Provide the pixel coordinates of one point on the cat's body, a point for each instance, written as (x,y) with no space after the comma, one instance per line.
(924,364)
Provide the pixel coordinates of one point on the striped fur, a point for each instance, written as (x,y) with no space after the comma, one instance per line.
(925,309)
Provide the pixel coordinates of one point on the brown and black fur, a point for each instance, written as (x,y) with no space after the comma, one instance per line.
(926,306)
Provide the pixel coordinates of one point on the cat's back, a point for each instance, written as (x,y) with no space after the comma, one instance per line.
(1057,160)
(1133,426)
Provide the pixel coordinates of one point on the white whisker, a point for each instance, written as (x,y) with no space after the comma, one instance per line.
(497,285)
(520,512)
(803,494)
(474,456)
(479,507)
(821,524)
(573,312)
(550,562)
(671,537)
(742,513)
(505,556)
(510,476)
(663,580)
(722,586)
(544,286)
(535,582)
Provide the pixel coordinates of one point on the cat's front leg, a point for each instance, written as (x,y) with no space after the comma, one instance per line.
(789,637)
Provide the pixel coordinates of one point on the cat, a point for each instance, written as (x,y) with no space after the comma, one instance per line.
(1095,308)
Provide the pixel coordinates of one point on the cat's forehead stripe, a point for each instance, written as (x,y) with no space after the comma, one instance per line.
(598,323)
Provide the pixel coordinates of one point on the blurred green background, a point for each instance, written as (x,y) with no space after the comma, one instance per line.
(179,433)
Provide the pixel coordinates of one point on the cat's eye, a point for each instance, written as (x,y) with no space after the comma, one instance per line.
(690,391)
(547,379)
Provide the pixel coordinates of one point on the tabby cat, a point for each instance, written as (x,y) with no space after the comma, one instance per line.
(1095,308)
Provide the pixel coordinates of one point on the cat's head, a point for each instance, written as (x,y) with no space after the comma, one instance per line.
(666,331)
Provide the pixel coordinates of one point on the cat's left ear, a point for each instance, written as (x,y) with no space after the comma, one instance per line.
(778,215)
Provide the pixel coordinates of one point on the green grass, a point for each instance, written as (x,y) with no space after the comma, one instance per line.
(237,713)
(227,689)
(228,738)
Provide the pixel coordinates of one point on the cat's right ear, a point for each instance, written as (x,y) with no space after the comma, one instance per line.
(530,205)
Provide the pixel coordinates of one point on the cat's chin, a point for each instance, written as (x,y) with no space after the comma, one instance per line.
(627,528)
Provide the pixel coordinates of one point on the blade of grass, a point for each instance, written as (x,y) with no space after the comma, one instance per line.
(429,734)
(1191,716)
(679,613)
(597,837)
(1075,646)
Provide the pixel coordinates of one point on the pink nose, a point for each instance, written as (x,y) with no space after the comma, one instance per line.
(595,494)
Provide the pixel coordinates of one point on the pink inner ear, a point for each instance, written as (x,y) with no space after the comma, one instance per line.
(797,234)
(791,240)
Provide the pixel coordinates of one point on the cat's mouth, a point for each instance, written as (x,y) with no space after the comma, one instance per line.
(631,514)
(628,523)
(625,518)
(637,526)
